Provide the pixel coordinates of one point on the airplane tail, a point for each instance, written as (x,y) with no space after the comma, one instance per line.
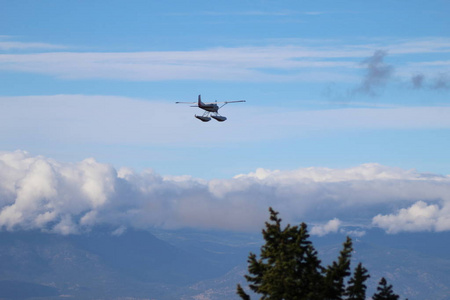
(200,103)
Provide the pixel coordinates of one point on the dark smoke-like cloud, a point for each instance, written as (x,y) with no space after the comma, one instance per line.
(439,82)
(377,74)
(442,82)
(418,81)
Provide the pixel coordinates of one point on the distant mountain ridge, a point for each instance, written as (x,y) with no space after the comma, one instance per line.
(100,264)
(190,264)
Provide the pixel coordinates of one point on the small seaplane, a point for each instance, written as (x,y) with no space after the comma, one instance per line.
(211,109)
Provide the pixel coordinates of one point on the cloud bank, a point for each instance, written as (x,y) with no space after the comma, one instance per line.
(68,198)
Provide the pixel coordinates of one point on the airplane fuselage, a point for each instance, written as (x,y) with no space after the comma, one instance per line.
(211,107)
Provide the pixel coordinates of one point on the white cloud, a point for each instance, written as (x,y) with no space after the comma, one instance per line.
(353,233)
(331,226)
(418,217)
(119,231)
(40,193)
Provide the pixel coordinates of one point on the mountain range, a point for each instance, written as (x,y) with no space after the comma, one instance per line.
(199,265)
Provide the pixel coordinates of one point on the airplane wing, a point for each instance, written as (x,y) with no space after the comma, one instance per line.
(216,102)
(181,102)
(226,102)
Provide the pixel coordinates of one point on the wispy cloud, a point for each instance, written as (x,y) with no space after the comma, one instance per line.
(254,13)
(308,62)
(7,44)
(248,64)
(127,121)
(41,193)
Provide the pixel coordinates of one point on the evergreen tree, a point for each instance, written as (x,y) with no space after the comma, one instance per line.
(288,268)
(356,289)
(384,291)
(337,272)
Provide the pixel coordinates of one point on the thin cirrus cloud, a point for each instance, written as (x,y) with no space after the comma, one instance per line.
(112,120)
(309,61)
(250,64)
(7,43)
(39,193)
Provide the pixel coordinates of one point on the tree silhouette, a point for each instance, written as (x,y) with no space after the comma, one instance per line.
(384,291)
(288,268)
(356,289)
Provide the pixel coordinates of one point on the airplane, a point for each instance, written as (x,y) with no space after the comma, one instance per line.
(211,109)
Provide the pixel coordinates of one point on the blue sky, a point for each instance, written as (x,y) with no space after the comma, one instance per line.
(285,56)
(334,84)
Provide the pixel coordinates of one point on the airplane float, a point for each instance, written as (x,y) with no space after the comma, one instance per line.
(211,109)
